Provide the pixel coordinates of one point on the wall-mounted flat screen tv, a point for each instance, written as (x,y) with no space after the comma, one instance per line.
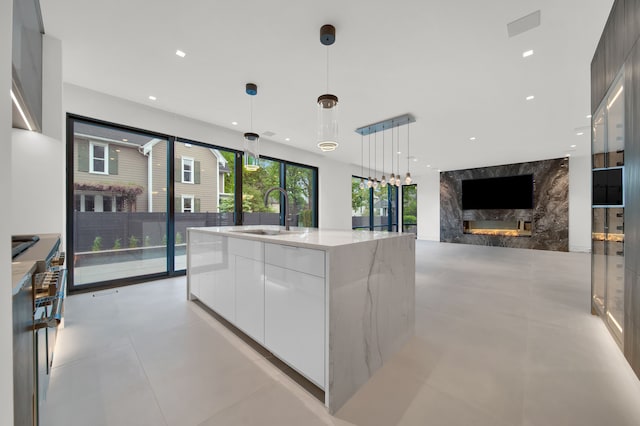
(512,192)
(607,187)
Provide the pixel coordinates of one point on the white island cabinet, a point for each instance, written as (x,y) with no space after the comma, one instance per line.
(333,305)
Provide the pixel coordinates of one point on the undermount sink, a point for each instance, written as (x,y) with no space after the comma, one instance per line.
(266,231)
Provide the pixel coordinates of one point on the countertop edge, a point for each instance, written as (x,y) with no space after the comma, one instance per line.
(273,239)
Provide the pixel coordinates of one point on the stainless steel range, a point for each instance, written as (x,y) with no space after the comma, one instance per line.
(38,304)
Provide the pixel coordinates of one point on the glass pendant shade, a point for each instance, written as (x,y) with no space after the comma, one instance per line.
(369,182)
(383,181)
(375,183)
(398,181)
(251,154)
(327,122)
(361,186)
(407,179)
(392,179)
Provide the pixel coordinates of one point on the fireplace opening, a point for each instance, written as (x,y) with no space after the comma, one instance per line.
(502,228)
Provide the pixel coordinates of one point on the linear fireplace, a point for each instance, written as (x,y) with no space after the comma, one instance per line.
(503,228)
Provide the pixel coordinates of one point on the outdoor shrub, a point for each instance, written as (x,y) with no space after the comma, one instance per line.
(97,244)
(117,244)
(147,241)
(133,242)
(164,240)
(178,238)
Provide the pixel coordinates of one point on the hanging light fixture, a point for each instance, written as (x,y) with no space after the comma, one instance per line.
(375,161)
(392,124)
(398,178)
(407,178)
(327,103)
(392,179)
(251,154)
(369,181)
(361,186)
(383,181)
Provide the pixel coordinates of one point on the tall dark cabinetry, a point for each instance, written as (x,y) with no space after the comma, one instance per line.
(615,71)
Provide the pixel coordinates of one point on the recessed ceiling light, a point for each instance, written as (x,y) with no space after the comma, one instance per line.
(428,165)
(527,53)
(589,116)
(530,97)
(439,170)
(399,152)
(579,133)
(153,98)
(125,140)
(287,139)
(568,155)
(573,146)
(235,123)
(180,53)
(472,138)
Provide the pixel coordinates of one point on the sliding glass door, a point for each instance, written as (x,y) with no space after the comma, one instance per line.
(410,208)
(135,193)
(119,210)
(374,208)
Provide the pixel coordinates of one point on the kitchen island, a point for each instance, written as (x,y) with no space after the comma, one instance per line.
(333,305)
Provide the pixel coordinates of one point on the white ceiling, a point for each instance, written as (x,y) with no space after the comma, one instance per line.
(449,63)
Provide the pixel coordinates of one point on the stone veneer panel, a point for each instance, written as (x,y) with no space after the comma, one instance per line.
(549,216)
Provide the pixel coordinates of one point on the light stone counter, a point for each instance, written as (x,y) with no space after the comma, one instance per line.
(367,292)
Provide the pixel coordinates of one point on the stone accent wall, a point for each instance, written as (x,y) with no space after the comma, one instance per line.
(549,216)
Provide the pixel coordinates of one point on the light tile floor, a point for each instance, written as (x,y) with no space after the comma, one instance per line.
(503,337)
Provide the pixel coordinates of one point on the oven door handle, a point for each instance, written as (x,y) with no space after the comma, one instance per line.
(57,309)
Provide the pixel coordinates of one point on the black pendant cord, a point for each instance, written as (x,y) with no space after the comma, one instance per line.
(361,157)
(375,156)
(383,151)
(408,152)
(328,69)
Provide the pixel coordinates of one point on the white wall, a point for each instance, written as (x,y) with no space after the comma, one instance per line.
(6,339)
(37,182)
(580,203)
(428,206)
(334,176)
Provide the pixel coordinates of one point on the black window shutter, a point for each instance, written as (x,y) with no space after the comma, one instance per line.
(83,155)
(113,160)
(196,174)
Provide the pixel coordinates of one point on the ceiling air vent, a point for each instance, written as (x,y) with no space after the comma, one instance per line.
(524,24)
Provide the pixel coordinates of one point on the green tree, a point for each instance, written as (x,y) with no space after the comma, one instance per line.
(359,198)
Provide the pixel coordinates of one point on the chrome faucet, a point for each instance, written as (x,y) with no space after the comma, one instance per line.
(286,203)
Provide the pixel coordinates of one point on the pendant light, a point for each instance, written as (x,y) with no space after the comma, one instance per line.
(327,103)
(407,179)
(392,179)
(398,178)
(369,181)
(361,186)
(251,154)
(375,160)
(383,181)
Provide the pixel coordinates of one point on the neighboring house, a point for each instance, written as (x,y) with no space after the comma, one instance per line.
(128,174)
(109,176)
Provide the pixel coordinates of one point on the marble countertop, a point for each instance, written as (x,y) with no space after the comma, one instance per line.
(303,237)
(26,263)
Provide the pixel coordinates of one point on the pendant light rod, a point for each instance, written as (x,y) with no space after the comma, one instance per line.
(386,124)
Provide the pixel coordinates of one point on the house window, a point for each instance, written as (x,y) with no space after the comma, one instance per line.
(98,158)
(187,204)
(187,170)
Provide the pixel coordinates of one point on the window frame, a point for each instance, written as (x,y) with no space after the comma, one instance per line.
(92,157)
(184,160)
(184,197)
